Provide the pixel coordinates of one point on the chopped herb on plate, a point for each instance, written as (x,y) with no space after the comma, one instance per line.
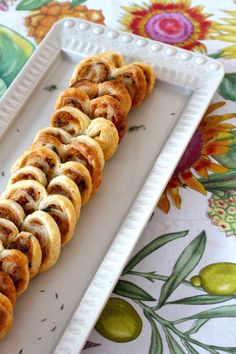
(136,127)
(50,88)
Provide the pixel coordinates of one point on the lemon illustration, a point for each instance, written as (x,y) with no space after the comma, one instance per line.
(119,321)
(217,278)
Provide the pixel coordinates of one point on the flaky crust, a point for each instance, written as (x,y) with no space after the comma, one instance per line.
(62,211)
(79,174)
(105,133)
(73,97)
(26,193)
(45,229)
(109,108)
(70,119)
(63,185)
(12,211)
(15,264)
(95,68)
(42,157)
(86,150)
(7,287)
(28,244)
(6,315)
(134,80)
(52,138)
(28,173)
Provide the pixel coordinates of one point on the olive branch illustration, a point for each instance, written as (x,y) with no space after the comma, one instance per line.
(185,264)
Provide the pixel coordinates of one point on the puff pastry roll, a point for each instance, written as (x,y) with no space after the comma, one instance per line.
(105,133)
(7,231)
(113,88)
(115,57)
(87,151)
(63,185)
(134,80)
(70,119)
(73,97)
(96,68)
(7,287)
(11,211)
(26,193)
(87,86)
(15,264)
(80,175)
(149,76)
(28,173)
(52,138)
(45,229)
(6,315)
(109,108)
(42,157)
(28,244)
(62,211)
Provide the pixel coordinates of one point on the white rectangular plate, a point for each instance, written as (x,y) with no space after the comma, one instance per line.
(111,223)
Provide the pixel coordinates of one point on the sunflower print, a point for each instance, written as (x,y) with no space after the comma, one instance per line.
(226,32)
(177,23)
(211,139)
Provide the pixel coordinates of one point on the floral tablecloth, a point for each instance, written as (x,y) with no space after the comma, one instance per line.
(177,293)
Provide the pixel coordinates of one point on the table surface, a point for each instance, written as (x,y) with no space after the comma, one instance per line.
(157,306)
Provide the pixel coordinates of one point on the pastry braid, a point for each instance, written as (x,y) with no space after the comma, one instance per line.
(63,169)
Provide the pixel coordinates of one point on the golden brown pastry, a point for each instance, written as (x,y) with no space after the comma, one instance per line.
(70,119)
(62,211)
(109,108)
(7,288)
(28,244)
(52,138)
(65,186)
(26,193)
(12,211)
(42,157)
(28,173)
(95,68)
(78,173)
(113,88)
(15,264)
(73,97)
(134,80)
(7,230)
(87,86)
(6,315)
(149,76)
(45,229)
(86,150)
(115,57)
(117,90)
(105,133)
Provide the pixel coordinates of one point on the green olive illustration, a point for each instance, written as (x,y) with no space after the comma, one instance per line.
(119,321)
(217,278)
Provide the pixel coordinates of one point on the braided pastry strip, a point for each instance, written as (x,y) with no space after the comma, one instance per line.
(67,159)
(138,77)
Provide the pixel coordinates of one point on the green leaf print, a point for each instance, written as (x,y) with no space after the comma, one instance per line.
(15,50)
(30,5)
(156,346)
(227,88)
(187,261)
(132,291)
(190,349)
(152,247)
(196,326)
(202,300)
(217,312)
(174,347)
